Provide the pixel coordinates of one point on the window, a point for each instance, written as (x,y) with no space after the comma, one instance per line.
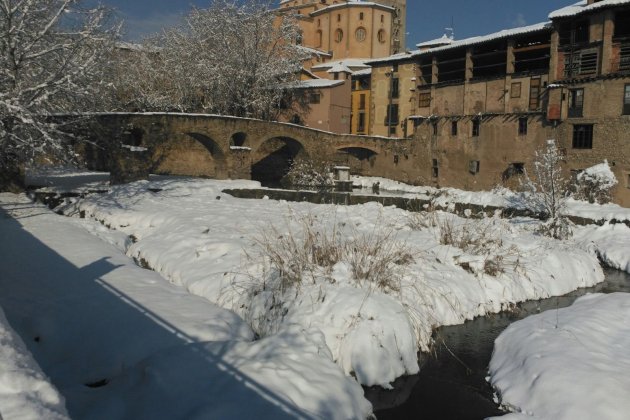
(382,36)
(513,169)
(362,101)
(395,87)
(382,18)
(360,34)
(626,100)
(435,168)
(435,127)
(583,136)
(581,62)
(338,35)
(361,16)
(476,128)
(314,98)
(361,123)
(522,126)
(391,119)
(424,99)
(515,90)
(534,94)
(453,128)
(576,102)
(473,167)
(338,18)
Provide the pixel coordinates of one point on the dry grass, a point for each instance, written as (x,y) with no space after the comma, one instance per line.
(315,247)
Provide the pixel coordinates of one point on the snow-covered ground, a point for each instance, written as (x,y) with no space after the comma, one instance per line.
(206,241)
(25,392)
(91,317)
(217,252)
(567,364)
(500,197)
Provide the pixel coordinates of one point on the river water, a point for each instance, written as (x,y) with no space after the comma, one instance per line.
(452,380)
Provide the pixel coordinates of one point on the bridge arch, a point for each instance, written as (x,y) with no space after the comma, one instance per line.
(359,158)
(272,159)
(193,154)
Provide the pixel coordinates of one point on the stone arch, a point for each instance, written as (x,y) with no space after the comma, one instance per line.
(273,158)
(192,154)
(359,159)
(238,139)
(134,136)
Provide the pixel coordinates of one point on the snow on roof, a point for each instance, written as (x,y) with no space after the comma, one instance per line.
(351,3)
(583,7)
(313,51)
(339,67)
(358,63)
(364,72)
(316,84)
(444,40)
(506,33)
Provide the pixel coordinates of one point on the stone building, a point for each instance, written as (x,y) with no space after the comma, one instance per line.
(341,35)
(479,108)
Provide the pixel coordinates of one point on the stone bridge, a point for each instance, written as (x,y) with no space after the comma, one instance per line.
(238,148)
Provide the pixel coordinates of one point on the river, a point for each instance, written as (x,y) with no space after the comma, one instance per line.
(452,382)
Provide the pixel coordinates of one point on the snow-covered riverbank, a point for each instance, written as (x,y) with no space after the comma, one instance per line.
(213,245)
(120,342)
(197,237)
(567,364)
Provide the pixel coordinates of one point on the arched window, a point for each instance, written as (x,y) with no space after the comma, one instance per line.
(338,35)
(360,34)
(382,36)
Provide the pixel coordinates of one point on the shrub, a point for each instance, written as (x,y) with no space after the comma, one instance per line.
(595,184)
(307,172)
(374,258)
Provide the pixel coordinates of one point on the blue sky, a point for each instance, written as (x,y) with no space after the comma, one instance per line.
(425,19)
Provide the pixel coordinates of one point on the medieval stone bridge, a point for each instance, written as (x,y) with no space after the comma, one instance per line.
(229,147)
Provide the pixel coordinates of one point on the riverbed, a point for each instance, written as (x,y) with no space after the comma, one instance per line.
(452,380)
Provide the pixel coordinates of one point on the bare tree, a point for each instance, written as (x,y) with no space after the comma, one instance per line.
(51,56)
(548,191)
(233,58)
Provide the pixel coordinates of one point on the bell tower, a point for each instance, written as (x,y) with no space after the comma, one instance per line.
(399,27)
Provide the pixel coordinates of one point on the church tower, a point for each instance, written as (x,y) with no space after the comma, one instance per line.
(399,28)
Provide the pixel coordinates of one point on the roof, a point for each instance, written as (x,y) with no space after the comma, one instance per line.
(506,33)
(351,3)
(357,63)
(313,51)
(363,72)
(444,40)
(315,84)
(583,7)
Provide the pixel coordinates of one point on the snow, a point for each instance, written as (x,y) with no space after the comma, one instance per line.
(611,241)
(599,174)
(506,33)
(499,197)
(25,392)
(583,7)
(570,363)
(207,246)
(315,83)
(89,314)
